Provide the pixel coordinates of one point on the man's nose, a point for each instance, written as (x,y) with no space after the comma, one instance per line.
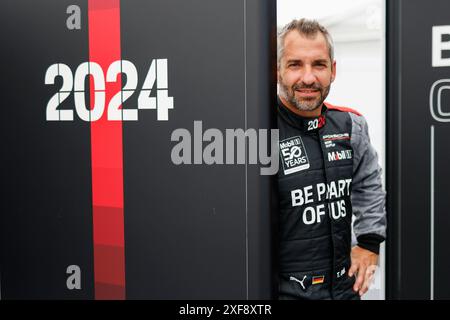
(308,76)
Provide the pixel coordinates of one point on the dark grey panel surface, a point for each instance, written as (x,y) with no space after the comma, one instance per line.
(410,79)
(46,174)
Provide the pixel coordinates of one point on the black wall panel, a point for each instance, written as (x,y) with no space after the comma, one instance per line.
(191,231)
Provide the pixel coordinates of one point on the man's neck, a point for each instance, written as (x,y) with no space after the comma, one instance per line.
(306,114)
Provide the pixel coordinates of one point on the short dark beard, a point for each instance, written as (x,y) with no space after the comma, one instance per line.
(289,95)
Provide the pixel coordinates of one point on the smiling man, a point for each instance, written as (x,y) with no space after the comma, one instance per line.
(328,173)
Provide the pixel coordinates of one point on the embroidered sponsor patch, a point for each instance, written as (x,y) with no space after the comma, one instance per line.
(339,155)
(301,282)
(340,273)
(330,139)
(335,137)
(293,155)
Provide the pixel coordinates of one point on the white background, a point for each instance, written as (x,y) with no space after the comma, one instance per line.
(358,30)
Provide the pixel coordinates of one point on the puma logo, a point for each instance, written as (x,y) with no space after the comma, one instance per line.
(301,282)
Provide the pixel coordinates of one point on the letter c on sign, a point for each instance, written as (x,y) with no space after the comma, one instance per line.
(435,100)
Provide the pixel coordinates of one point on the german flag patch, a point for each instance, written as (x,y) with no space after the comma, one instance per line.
(318,280)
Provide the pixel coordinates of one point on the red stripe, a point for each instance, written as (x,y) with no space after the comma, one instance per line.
(106,153)
(343,109)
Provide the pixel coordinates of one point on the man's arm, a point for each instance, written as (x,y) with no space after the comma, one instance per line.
(368,196)
(368,202)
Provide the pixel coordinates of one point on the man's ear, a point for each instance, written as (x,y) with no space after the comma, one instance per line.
(333,71)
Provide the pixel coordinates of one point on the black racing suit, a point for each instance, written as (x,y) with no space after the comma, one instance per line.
(328,173)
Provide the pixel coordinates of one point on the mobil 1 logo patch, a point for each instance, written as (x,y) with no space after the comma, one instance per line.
(293,155)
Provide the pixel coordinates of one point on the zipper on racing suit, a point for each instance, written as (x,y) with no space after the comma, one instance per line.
(331,281)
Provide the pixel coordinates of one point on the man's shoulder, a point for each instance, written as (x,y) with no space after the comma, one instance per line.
(359,123)
(342,109)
